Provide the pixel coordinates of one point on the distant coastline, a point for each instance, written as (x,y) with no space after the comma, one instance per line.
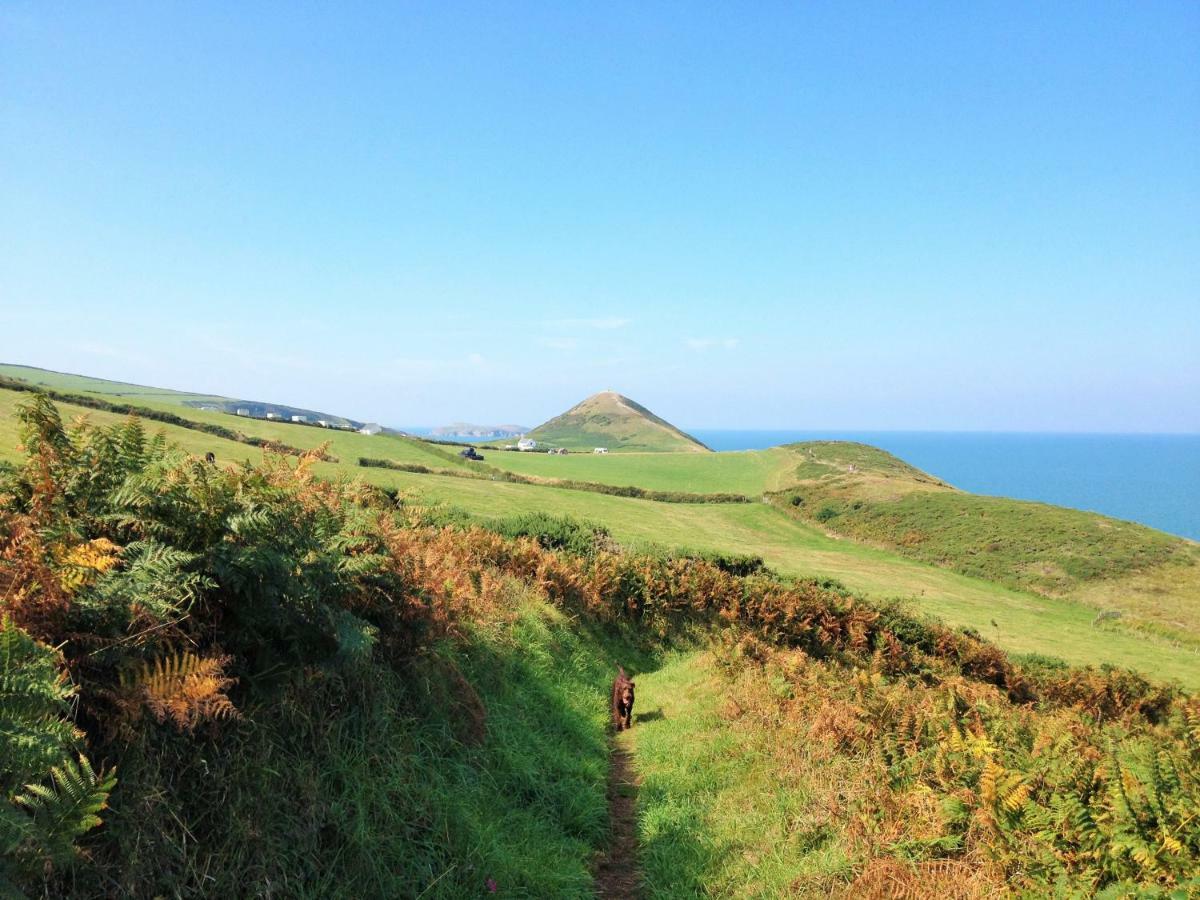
(1153,479)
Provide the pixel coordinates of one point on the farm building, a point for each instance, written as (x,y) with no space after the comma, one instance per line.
(274,416)
(526,444)
(242,411)
(299,418)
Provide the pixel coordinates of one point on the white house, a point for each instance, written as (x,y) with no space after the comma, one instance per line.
(324,423)
(600,450)
(274,416)
(526,444)
(242,411)
(299,418)
(370,428)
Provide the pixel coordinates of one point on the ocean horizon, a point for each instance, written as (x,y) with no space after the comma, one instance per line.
(1152,479)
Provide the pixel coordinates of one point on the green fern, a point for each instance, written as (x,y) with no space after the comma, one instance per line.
(39,822)
(35,699)
(67,808)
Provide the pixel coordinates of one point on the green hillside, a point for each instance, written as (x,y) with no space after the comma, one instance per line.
(615,422)
(1149,578)
(1136,603)
(241,680)
(162,397)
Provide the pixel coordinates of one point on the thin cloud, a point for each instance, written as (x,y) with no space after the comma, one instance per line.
(560,343)
(702,344)
(603,323)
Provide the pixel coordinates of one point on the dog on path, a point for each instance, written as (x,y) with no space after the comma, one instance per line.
(622,701)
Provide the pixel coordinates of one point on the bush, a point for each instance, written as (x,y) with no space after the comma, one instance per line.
(555,532)
(825,513)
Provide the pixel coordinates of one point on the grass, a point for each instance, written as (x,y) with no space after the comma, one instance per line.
(1023,544)
(63,381)
(1158,632)
(770,774)
(750,472)
(447,737)
(487,760)
(1018,621)
(717,816)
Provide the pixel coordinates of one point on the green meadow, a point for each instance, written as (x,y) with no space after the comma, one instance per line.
(1020,620)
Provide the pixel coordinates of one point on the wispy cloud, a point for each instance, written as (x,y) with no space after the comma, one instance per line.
(107,351)
(602,323)
(559,343)
(702,344)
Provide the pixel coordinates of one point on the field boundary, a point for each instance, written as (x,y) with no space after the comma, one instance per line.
(493,473)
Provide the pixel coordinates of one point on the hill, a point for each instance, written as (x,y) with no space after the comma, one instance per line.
(143,394)
(1148,579)
(610,420)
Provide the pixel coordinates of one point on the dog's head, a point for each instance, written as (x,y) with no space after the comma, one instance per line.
(625,692)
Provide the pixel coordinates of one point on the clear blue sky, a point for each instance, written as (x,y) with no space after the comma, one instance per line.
(818,215)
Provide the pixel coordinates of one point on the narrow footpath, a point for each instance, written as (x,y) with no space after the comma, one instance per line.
(618,876)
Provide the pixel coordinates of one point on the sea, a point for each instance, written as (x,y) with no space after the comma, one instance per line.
(1153,479)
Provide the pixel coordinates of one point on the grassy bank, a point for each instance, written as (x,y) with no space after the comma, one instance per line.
(486,758)
(767,773)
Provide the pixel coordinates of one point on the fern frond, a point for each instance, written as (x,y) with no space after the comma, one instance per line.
(185,688)
(68,809)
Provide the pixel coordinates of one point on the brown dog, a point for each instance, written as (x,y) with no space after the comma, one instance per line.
(622,701)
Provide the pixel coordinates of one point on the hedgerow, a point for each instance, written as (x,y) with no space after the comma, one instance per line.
(492,473)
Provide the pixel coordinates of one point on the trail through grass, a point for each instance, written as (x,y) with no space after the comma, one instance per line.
(716,818)
(618,876)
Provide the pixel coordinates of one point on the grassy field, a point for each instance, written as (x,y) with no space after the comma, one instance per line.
(718,817)
(63,381)
(750,472)
(1158,631)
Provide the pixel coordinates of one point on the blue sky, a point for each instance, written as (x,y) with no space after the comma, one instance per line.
(893,216)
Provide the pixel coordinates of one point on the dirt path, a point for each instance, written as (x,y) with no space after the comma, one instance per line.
(617,875)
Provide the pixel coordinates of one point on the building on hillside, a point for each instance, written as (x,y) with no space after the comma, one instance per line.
(526,444)
(324,423)
(242,411)
(274,416)
(299,418)
(370,428)
(601,450)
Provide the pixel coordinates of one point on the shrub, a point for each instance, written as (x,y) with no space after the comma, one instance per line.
(825,513)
